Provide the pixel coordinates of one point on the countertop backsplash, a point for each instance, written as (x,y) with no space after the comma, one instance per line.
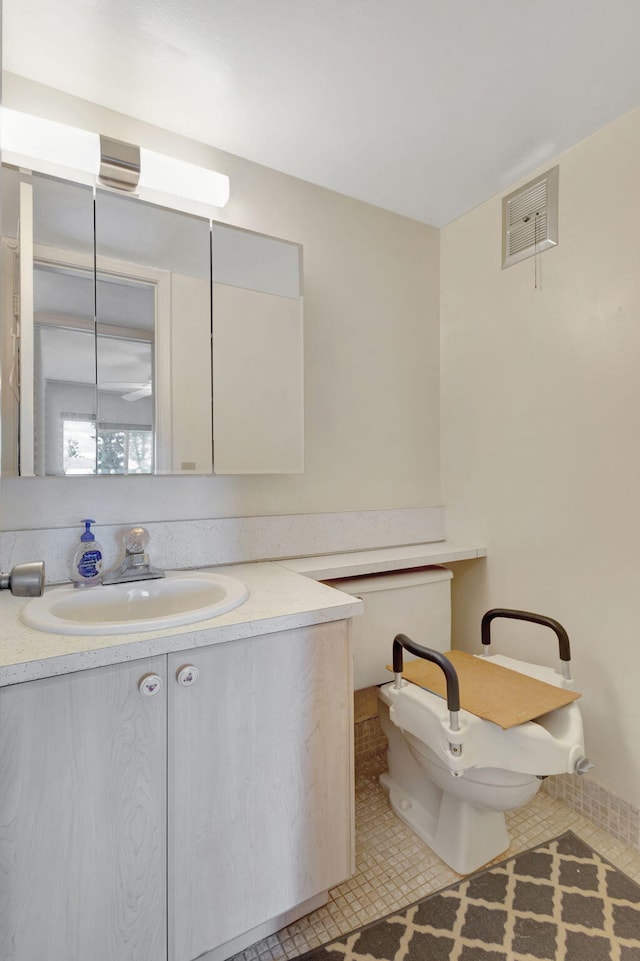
(176,545)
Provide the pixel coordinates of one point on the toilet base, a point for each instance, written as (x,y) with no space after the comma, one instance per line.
(465,837)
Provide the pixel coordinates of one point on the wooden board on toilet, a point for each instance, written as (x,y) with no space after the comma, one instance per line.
(489,690)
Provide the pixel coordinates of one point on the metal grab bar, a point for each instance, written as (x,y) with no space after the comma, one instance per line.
(555,626)
(445,665)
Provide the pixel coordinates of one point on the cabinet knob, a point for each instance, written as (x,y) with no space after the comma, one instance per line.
(187,675)
(150,684)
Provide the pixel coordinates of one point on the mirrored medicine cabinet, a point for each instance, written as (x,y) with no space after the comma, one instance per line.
(138,339)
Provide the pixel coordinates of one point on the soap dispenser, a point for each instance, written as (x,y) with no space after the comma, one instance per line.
(86,567)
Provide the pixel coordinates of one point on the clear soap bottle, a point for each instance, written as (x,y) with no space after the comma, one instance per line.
(86,568)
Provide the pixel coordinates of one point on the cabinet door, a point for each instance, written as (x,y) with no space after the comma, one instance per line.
(259,782)
(258,353)
(82,817)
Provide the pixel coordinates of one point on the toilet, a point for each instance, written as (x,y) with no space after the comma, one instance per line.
(452,787)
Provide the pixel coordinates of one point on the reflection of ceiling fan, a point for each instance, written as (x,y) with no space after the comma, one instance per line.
(132,390)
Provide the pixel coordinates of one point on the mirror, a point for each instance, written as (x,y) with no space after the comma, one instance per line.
(107,338)
(156,315)
(107,333)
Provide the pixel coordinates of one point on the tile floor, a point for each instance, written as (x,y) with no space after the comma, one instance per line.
(394,868)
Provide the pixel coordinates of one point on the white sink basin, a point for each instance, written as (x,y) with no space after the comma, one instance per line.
(178,598)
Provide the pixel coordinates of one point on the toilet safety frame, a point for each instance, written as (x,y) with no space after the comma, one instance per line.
(451,676)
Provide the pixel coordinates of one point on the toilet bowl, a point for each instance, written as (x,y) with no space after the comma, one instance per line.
(456,802)
(452,787)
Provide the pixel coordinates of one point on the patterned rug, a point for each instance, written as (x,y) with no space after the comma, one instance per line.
(558,902)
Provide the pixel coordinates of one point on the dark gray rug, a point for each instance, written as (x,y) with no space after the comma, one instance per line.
(560,901)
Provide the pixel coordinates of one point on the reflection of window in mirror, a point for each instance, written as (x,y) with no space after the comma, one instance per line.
(70,360)
(116,449)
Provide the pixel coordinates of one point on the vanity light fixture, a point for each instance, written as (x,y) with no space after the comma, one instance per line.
(119,164)
(49,147)
(162,176)
(63,151)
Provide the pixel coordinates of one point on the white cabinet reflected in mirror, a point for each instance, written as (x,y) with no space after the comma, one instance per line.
(107,338)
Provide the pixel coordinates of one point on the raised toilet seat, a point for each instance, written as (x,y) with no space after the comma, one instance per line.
(452,774)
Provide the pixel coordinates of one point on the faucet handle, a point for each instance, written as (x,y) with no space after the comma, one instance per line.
(136,540)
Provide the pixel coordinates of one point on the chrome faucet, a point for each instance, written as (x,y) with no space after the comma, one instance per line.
(135,566)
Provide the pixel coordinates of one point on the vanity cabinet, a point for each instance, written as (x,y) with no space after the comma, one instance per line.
(82,817)
(260,785)
(181,825)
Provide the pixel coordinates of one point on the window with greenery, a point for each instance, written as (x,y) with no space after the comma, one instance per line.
(117,449)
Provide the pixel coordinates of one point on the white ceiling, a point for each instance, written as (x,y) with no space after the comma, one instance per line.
(424,107)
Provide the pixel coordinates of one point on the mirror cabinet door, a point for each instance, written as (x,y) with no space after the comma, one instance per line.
(153,313)
(48,328)
(258,387)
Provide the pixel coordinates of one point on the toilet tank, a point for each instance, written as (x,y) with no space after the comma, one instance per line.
(415,603)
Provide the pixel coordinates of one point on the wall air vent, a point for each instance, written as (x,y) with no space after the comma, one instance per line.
(530,218)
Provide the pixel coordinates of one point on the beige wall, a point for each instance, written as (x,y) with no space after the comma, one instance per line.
(541,434)
(540,402)
(371,348)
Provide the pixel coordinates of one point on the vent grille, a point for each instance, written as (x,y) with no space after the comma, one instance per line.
(530,218)
(528,234)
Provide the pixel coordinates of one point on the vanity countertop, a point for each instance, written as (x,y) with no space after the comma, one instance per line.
(283,595)
(279,599)
(356,563)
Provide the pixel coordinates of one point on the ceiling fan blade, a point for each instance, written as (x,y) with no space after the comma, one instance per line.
(122,384)
(143,391)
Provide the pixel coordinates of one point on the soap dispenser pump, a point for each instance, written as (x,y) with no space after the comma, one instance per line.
(86,569)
